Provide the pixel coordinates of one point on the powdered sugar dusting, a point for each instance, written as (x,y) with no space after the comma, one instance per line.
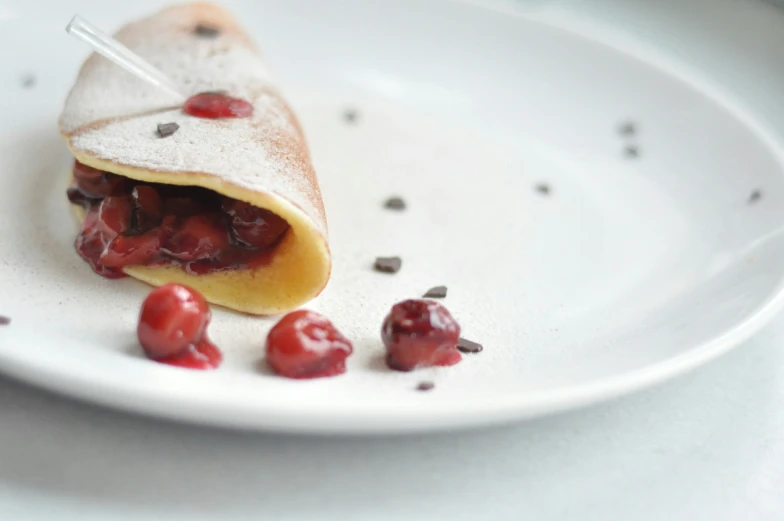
(167,40)
(113,115)
(237,150)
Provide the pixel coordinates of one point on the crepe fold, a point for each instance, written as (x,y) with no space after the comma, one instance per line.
(109,122)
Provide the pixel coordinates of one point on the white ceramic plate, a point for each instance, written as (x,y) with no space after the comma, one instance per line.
(630,270)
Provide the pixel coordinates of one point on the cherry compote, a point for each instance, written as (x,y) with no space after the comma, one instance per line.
(130,223)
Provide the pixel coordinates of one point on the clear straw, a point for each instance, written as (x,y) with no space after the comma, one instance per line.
(104,44)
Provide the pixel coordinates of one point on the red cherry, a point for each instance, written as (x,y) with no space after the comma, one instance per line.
(420,333)
(305,344)
(253,226)
(114,216)
(172,318)
(197,237)
(148,208)
(90,245)
(130,250)
(213,105)
(203,355)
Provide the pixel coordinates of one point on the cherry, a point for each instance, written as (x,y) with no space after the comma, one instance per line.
(197,237)
(90,246)
(305,344)
(148,208)
(129,250)
(131,223)
(114,216)
(253,226)
(420,333)
(213,105)
(202,355)
(173,317)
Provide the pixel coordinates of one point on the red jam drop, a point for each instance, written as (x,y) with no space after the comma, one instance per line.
(204,355)
(305,344)
(214,105)
(420,333)
(172,328)
(154,225)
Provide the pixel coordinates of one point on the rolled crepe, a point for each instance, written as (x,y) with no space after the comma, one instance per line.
(109,122)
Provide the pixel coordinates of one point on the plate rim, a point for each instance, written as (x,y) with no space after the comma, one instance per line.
(513,407)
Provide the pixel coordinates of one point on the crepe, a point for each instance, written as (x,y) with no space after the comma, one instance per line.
(109,122)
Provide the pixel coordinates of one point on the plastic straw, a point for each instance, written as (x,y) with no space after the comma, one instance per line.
(107,46)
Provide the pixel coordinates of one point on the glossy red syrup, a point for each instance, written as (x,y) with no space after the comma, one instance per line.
(420,333)
(132,223)
(204,355)
(215,105)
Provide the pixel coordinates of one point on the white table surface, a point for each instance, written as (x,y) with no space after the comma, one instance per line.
(708,445)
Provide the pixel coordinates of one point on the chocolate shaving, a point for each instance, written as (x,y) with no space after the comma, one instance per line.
(435,292)
(627,129)
(167,129)
(395,203)
(4,321)
(206,31)
(388,264)
(425,386)
(543,188)
(467,346)
(631,152)
(755,196)
(350,115)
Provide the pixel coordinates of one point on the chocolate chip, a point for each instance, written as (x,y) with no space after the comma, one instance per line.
(350,115)
(425,386)
(395,203)
(28,81)
(435,292)
(206,31)
(388,264)
(627,128)
(543,188)
(4,321)
(467,346)
(755,196)
(167,129)
(222,92)
(631,152)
